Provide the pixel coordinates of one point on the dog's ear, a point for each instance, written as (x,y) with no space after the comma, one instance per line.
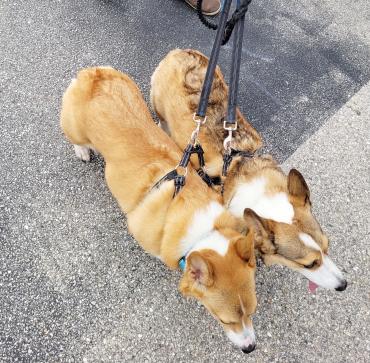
(262,230)
(245,248)
(298,187)
(199,269)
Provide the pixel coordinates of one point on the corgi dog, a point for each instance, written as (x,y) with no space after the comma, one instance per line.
(286,231)
(104,110)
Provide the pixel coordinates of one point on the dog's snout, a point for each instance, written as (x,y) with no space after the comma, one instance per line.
(249,348)
(342,286)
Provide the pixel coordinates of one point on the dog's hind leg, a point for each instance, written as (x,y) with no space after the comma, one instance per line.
(82,152)
(73,125)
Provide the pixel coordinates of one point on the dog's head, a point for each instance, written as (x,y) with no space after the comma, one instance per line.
(225,285)
(287,233)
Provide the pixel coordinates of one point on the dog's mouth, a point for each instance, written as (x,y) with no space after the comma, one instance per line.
(312,287)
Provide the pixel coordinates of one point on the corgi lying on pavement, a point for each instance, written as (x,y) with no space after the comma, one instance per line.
(104,110)
(287,233)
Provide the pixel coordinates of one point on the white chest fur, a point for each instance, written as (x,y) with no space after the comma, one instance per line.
(201,233)
(253,195)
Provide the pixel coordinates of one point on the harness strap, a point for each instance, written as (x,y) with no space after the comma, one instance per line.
(228,158)
(179,181)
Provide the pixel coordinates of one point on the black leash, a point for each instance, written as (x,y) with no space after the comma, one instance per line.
(239,14)
(213,59)
(230,124)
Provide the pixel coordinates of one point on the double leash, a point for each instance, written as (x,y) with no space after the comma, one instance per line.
(224,31)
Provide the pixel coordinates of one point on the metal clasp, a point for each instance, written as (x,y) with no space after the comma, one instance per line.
(229,138)
(195,133)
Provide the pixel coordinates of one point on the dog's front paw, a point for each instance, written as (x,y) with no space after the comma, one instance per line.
(82,152)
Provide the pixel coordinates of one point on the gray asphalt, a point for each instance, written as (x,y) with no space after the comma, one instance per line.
(74,285)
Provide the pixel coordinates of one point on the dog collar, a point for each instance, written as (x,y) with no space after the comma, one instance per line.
(182,263)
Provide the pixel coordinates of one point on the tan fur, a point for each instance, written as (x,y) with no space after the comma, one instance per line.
(175,93)
(104,109)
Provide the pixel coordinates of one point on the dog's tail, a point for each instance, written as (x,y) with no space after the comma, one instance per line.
(88,79)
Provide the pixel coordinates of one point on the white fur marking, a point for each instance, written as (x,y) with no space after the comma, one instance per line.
(327,275)
(309,241)
(82,152)
(214,241)
(252,195)
(243,339)
(202,227)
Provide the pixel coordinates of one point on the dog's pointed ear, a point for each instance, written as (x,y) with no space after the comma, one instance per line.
(262,230)
(298,187)
(199,269)
(245,248)
(252,219)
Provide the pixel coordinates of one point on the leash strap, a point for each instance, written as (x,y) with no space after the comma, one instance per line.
(235,70)
(213,59)
(231,124)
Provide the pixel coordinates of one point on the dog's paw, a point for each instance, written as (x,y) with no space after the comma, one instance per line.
(82,152)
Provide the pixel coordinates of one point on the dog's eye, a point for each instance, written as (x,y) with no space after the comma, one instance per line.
(229,323)
(313,264)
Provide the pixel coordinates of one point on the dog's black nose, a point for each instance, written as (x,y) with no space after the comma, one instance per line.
(342,286)
(249,349)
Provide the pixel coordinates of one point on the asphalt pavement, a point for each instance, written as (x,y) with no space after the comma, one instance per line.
(74,285)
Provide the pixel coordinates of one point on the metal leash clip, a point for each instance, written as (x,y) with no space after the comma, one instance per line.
(229,138)
(195,133)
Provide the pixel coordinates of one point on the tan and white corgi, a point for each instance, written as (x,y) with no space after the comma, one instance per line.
(104,110)
(287,232)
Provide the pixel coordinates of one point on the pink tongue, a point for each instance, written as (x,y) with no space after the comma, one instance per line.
(312,287)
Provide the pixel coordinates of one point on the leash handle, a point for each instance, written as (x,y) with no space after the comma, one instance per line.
(213,59)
